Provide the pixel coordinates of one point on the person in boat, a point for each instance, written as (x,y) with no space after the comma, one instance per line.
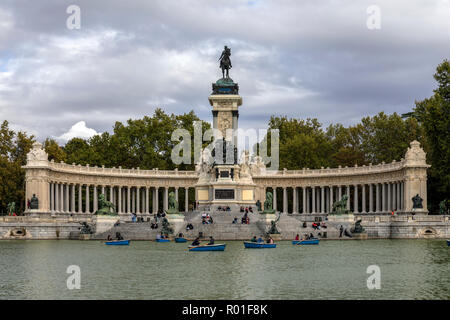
(260,240)
(158,237)
(311,236)
(196,242)
(109,237)
(270,240)
(211,241)
(297,237)
(254,239)
(180,235)
(119,236)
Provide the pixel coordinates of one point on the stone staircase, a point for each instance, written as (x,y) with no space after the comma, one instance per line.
(224,229)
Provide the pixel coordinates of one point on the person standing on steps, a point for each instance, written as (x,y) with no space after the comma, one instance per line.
(341,230)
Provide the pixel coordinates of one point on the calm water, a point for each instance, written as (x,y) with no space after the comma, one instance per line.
(410,269)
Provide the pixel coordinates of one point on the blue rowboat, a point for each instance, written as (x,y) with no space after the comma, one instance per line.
(118,242)
(261,245)
(301,242)
(162,240)
(213,247)
(180,240)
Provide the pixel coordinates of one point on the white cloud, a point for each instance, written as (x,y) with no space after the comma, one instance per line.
(78,130)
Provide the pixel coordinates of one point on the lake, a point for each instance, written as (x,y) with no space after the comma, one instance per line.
(410,269)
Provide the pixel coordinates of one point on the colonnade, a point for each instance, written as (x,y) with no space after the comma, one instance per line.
(362,198)
(83,198)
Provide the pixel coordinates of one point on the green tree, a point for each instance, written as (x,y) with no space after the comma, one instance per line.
(54,151)
(13,150)
(145,143)
(434,115)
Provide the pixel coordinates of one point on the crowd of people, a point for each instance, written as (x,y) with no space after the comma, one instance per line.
(305,237)
(317,226)
(246,209)
(207,219)
(223,208)
(260,239)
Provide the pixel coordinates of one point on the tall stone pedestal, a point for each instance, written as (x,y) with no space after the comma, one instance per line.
(104,223)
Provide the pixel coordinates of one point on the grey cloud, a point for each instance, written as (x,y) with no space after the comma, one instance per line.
(300,59)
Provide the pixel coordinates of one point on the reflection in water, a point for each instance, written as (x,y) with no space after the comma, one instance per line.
(410,269)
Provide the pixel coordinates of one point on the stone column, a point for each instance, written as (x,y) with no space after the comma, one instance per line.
(285,202)
(275,199)
(61,197)
(402,196)
(308,200)
(363,208)
(294,200)
(348,194)
(340,193)
(95,199)
(186,199)
(166,198)
(56,197)
(147,211)
(128,199)
(389,204)
(138,200)
(156,202)
(394,197)
(176,194)
(72,200)
(304,199)
(377,198)
(133,200)
(313,200)
(331,199)
(397,197)
(371,198)
(119,199)
(111,194)
(88,209)
(67,198)
(103,191)
(355,199)
(80,199)
(52,197)
(322,199)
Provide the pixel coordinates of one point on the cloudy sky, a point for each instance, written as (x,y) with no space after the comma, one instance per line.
(302,59)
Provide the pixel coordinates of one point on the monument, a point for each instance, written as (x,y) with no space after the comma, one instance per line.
(223,180)
(34,202)
(105,207)
(358,232)
(172,213)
